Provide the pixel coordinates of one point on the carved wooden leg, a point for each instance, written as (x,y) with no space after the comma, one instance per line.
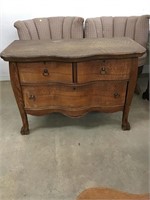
(125,123)
(24,130)
(130,92)
(146,93)
(126,126)
(15,82)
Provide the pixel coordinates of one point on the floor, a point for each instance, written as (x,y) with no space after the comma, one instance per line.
(62,156)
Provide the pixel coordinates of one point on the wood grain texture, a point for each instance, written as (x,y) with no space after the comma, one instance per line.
(109,194)
(111,69)
(93,75)
(95,94)
(43,72)
(74,113)
(72,50)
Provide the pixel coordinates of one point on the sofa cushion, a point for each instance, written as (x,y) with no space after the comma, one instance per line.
(53,28)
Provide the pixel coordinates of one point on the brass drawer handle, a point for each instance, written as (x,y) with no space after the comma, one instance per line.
(32,97)
(103,71)
(45,72)
(116,95)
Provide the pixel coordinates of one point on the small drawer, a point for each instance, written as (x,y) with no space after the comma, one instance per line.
(42,72)
(118,69)
(95,94)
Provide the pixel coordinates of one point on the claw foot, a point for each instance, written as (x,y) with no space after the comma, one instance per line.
(126,126)
(24,131)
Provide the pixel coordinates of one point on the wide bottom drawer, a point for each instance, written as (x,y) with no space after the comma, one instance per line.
(63,96)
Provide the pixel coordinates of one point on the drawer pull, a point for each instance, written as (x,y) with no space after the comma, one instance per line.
(116,95)
(32,97)
(103,71)
(45,72)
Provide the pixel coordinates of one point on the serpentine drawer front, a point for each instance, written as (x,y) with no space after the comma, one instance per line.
(91,95)
(73,77)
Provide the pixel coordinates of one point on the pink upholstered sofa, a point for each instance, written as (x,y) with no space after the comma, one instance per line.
(56,28)
(135,27)
(53,28)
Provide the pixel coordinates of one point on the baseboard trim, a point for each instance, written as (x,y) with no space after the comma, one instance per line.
(4,78)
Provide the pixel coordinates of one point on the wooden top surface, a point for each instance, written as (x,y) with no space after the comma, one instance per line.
(73,50)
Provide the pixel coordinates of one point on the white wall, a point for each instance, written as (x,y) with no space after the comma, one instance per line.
(13,10)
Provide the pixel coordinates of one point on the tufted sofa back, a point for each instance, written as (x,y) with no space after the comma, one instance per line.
(135,27)
(53,28)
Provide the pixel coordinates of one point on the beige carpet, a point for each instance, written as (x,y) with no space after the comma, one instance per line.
(62,156)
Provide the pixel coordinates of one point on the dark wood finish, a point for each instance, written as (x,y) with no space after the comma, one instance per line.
(73,77)
(145,94)
(109,194)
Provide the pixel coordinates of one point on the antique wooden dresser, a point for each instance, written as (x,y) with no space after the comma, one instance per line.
(73,77)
